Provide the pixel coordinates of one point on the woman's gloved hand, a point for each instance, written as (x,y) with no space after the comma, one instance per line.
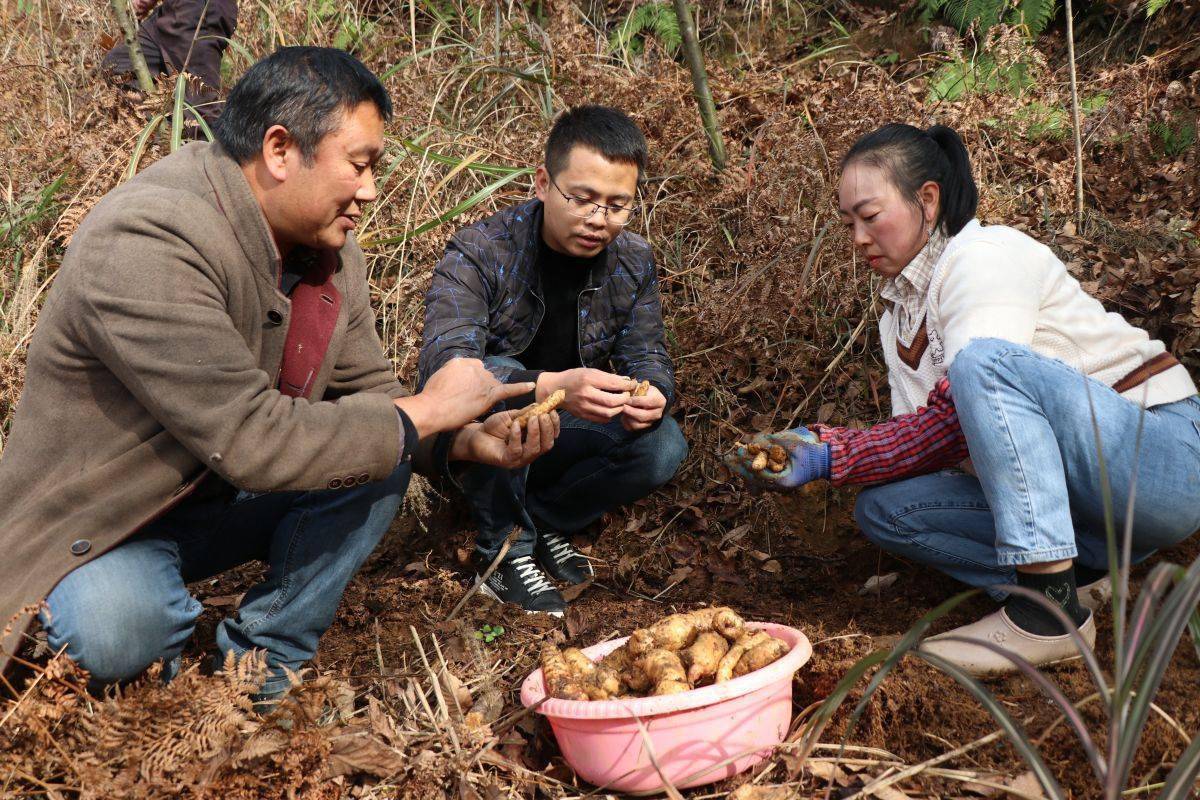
(805,459)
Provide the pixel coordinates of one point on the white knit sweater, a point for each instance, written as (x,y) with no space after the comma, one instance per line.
(996,282)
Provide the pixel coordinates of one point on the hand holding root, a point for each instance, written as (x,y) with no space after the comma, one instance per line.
(781,460)
(644,407)
(537,409)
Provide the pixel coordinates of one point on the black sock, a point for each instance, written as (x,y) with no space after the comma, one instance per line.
(1086,575)
(1057,587)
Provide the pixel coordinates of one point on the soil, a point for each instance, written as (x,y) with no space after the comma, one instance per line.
(416,578)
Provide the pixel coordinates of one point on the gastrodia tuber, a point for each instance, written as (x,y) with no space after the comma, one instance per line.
(560,678)
(598,681)
(680,630)
(704,655)
(760,655)
(545,407)
(665,671)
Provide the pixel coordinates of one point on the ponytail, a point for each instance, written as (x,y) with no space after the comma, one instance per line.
(911,156)
(960,198)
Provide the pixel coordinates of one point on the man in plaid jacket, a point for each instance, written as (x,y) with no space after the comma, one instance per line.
(557,290)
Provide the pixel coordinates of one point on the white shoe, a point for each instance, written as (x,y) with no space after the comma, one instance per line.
(998,629)
(1096,594)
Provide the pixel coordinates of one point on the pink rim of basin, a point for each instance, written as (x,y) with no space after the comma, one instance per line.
(697,737)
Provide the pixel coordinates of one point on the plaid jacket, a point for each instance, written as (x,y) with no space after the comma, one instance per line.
(904,446)
(485,300)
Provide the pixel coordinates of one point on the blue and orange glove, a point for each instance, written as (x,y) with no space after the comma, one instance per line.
(780,461)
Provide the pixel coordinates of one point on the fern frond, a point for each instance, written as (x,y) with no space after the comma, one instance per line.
(931,8)
(1154,6)
(1035,15)
(657,18)
(666,28)
(962,14)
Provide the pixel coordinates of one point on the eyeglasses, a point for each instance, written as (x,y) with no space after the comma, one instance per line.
(581,208)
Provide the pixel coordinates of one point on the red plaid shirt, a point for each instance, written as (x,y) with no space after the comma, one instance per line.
(925,441)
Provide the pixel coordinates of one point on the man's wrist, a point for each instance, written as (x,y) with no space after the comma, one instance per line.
(461,447)
(547,384)
(422,412)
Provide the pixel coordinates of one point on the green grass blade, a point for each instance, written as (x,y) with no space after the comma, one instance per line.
(1014,732)
(1156,584)
(237,46)
(1160,643)
(906,643)
(461,208)
(495,170)
(207,131)
(1089,657)
(139,147)
(1051,690)
(1181,781)
(177,112)
(45,202)
(1120,581)
(1110,528)
(834,700)
(1194,630)
(428,51)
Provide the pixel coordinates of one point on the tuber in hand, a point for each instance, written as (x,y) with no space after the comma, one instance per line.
(781,460)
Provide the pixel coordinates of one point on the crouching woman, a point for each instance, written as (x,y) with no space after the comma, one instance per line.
(1013,360)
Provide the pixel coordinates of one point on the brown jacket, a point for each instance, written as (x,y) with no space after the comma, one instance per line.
(156,360)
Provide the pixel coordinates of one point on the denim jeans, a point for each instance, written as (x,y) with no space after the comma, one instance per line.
(1028,425)
(121,612)
(592,468)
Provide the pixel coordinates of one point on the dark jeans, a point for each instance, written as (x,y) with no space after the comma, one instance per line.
(174,37)
(118,614)
(591,469)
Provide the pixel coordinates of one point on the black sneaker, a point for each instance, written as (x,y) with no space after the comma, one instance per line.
(520,581)
(559,557)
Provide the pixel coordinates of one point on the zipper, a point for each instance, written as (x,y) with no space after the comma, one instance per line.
(578,328)
(533,335)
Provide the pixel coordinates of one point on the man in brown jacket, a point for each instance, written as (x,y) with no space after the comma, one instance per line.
(206,387)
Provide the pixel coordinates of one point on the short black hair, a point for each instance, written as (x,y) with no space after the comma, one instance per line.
(304,89)
(911,156)
(608,131)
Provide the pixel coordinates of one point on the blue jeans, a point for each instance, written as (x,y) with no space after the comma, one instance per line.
(121,612)
(592,468)
(1028,426)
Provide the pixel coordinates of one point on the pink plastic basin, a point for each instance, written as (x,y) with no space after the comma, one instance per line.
(697,737)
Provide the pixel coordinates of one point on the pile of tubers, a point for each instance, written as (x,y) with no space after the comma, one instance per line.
(675,654)
(774,457)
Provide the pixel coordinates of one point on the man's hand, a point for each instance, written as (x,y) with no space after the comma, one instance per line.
(498,440)
(143,7)
(807,459)
(592,394)
(457,394)
(642,412)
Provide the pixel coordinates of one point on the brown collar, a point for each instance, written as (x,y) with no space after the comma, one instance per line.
(911,355)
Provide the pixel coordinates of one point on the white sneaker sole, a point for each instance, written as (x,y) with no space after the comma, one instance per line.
(485,589)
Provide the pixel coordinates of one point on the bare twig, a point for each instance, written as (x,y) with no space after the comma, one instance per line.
(1075,118)
(487,573)
(129,29)
(695,61)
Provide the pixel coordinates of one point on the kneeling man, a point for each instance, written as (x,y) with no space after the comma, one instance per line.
(558,291)
(206,387)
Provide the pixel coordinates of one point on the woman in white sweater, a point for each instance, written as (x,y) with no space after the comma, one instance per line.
(1011,356)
